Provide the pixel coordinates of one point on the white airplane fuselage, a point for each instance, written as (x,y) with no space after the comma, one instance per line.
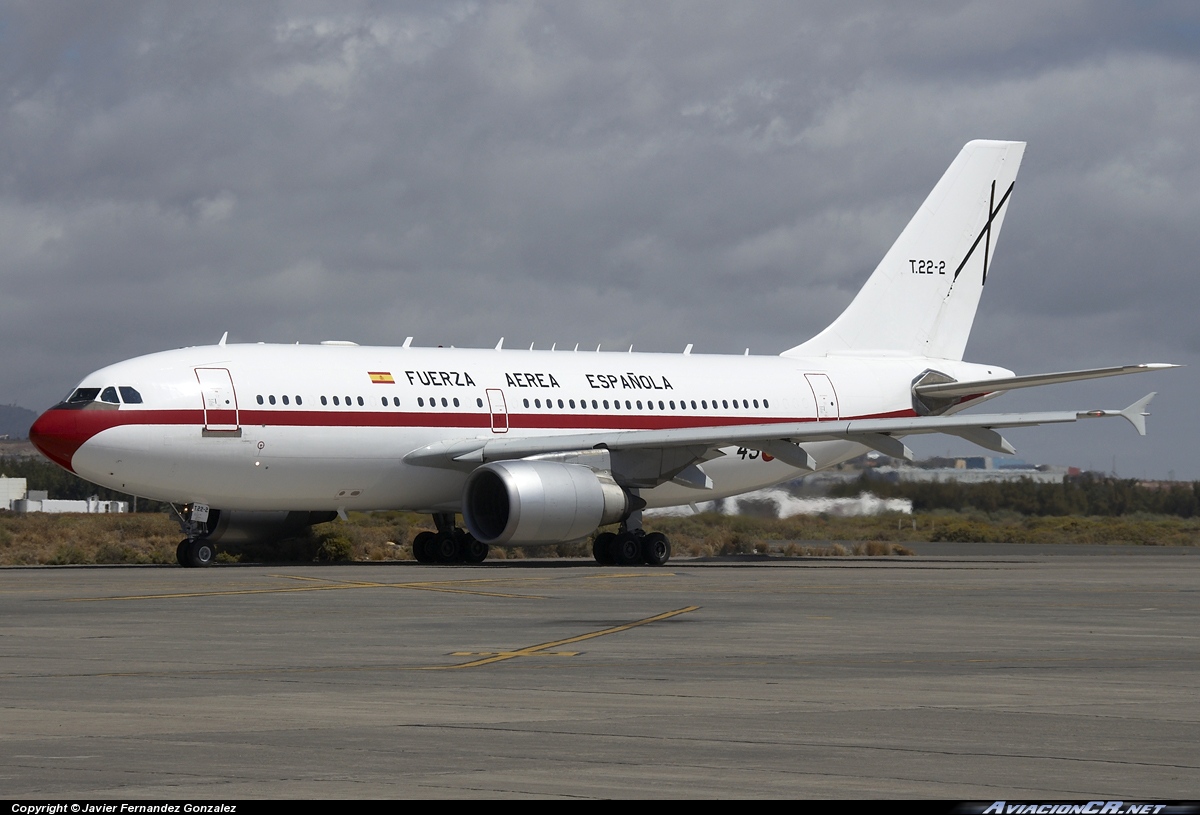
(536,447)
(327,427)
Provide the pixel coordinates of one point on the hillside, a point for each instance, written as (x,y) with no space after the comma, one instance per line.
(15,421)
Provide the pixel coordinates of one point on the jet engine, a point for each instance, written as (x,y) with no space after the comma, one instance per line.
(253,526)
(529,502)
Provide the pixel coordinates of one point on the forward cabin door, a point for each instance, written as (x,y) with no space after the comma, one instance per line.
(499,410)
(826,396)
(220,399)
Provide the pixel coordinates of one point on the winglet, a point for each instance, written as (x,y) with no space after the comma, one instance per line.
(1137,413)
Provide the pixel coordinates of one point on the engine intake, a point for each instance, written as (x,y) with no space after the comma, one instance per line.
(528,502)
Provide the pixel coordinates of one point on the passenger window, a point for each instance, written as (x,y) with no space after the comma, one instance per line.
(420,401)
(336,402)
(526,401)
(324,401)
(444,402)
(478,402)
(285,399)
(456,401)
(766,404)
(396,401)
(260,399)
(384,398)
(298,402)
(129,395)
(360,401)
(110,396)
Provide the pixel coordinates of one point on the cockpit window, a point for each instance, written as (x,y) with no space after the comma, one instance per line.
(110,396)
(129,395)
(82,395)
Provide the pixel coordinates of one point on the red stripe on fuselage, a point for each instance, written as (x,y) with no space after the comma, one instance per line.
(59,432)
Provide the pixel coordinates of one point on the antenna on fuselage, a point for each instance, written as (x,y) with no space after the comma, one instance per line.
(224,337)
(500,344)
(688,349)
(407,342)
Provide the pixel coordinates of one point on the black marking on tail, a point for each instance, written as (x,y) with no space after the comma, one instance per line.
(993,211)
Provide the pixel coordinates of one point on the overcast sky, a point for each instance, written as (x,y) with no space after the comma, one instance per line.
(655,173)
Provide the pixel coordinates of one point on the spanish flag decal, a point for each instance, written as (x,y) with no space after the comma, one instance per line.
(382,377)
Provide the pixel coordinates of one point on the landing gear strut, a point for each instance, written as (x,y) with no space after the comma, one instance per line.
(631,545)
(195,549)
(449,544)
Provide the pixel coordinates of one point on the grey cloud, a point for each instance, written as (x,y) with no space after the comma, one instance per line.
(589,172)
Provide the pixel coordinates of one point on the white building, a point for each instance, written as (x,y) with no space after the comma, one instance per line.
(11,489)
(92,505)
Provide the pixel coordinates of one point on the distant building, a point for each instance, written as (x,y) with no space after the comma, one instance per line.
(16,497)
(971,475)
(11,489)
(92,505)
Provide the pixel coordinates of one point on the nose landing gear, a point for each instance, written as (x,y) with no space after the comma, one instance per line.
(194,550)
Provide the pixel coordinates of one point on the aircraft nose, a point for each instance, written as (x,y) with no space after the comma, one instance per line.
(57,435)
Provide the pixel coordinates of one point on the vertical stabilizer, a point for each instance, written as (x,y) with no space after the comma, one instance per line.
(922,297)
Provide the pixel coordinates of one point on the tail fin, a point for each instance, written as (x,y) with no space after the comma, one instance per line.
(922,297)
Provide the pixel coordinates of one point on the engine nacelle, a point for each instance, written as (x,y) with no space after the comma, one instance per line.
(528,502)
(251,526)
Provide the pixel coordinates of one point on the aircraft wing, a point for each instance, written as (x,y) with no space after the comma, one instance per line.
(782,440)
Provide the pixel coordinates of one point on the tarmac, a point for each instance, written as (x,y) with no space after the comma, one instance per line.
(977,675)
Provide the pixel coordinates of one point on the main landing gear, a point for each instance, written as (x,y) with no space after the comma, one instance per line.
(449,544)
(630,545)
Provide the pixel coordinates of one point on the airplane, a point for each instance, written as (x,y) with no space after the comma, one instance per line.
(540,447)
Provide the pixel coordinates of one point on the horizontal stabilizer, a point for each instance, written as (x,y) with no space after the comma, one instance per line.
(978,386)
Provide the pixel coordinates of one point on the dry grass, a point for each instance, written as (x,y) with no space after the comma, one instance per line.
(68,538)
(386,536)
